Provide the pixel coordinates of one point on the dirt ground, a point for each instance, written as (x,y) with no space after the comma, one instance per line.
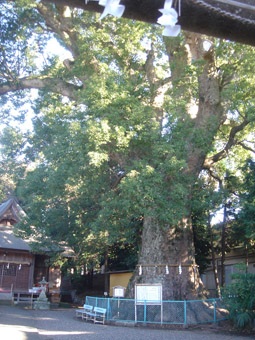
(18,323)
(225,327)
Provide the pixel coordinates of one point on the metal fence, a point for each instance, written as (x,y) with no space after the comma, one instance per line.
(161,312)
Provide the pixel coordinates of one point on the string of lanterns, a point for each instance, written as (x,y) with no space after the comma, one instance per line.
(168,19)
(179,266)
(8,266)
(140,268)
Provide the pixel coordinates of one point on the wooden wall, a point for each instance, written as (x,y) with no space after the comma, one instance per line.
(16,270)
(20,270)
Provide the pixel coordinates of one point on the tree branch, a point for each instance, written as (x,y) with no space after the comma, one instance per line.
(53,84)
(231,142)
(246,147)
(213,175)
(61,25)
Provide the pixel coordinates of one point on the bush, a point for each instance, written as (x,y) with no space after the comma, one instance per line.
(239,298)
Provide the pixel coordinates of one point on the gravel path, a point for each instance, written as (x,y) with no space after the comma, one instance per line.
(17,323)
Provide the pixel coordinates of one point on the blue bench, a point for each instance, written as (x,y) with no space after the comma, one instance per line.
(81,313)
(97,315)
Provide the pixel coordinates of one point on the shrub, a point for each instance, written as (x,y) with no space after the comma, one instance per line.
(239,298)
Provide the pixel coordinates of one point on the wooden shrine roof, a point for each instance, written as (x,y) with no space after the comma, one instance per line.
(229,19)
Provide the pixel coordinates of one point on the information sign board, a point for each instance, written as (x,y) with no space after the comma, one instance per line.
(118,291)
(149,293)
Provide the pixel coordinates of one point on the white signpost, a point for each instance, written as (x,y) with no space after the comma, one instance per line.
(119,291)
(148,294)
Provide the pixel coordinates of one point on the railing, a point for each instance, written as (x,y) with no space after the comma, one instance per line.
(161,312)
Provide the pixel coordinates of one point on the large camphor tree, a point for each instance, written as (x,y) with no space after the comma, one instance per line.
(124,131)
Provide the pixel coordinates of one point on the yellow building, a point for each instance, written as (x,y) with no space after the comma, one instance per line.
(119,278)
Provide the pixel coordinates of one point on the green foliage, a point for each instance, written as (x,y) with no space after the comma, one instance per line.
(12,164)
(239,298)
(11,142)
(118,147)
(245,225)
(123,256)
(202,245)
(21,41)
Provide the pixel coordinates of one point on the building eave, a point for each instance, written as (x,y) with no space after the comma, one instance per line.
(215,18)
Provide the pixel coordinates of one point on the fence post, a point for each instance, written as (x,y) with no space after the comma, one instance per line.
(108,309)
(144,316)
(185,312)
(96,301)
(214,311)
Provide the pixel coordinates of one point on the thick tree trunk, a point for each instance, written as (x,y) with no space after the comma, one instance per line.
(167,254)
(167,257)
(106,276)
(215,270)
(223,246)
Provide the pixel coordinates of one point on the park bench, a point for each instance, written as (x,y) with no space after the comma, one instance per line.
(81,313)
(97,315)
(24,297)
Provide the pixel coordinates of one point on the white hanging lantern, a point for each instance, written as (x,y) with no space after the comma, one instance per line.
(180,268)
(169,20)
(167,270)
(140,270)
(112,7)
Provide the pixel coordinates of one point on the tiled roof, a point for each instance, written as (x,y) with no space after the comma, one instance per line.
(13,208)
(9,241)
(10,209)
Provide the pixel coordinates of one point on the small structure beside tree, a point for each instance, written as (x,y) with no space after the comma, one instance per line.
(20,267)
(233,258)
